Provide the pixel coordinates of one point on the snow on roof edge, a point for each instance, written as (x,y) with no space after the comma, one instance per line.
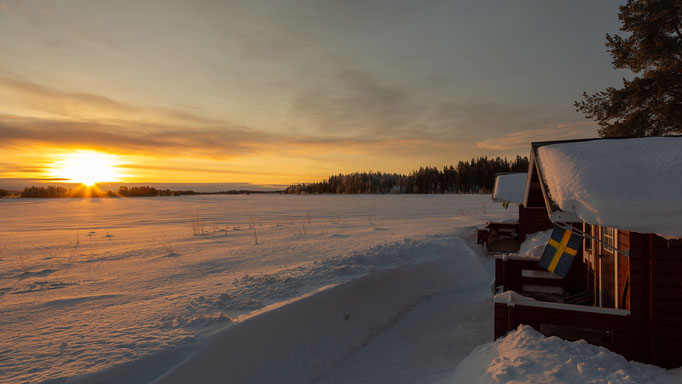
(631,184)
(510,187)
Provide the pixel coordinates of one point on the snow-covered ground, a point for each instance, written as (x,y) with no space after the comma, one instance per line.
(121,290)
(327,289)
(526,356)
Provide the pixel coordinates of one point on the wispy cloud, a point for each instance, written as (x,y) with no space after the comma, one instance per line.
(369,116)
(162,140)
(59,118)
(120,137)
(522,139)
(357,104)
(207,170)
(54,102)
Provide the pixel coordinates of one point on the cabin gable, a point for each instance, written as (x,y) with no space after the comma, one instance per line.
(533,216)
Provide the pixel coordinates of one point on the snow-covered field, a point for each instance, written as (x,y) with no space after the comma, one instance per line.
(269,289)
(121,290)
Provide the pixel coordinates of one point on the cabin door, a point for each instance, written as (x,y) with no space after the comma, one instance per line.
(608,269)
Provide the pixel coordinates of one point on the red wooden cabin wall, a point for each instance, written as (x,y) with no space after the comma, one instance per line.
(655,266)
(533,216)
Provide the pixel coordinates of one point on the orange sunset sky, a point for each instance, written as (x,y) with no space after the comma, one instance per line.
(279,92)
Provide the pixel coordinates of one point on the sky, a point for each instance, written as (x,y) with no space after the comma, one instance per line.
(281,92)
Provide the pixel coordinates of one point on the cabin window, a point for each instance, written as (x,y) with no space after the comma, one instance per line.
(608,239)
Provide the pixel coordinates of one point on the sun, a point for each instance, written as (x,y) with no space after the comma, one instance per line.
(86,167)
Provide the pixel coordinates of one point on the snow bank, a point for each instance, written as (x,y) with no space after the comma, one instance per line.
(633,184)
(256,291)
(535,244)
(526,356)
(302,340)
(510,187)
(124,289)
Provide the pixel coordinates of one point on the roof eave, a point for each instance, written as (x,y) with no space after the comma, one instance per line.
(564,217)
(556,215)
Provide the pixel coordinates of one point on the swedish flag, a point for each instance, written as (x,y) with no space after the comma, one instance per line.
(562,247)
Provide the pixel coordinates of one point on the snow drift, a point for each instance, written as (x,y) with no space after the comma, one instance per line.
(125,289)
(526,356)
(302,340)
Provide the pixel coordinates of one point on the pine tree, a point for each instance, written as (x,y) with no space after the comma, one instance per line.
(651,103)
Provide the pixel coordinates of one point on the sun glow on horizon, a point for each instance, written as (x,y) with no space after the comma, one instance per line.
(87,167)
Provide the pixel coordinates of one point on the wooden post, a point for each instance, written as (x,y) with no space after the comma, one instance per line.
(653,347)
(505,286)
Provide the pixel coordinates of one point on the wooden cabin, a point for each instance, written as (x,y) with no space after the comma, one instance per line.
(624,288)
(507,236)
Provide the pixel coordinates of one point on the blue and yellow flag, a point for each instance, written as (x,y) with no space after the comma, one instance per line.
(505,204)
(562,247)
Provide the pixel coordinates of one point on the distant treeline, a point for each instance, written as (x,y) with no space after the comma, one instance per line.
(475,176)
(123,191)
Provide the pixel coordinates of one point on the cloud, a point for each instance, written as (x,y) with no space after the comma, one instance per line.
(124,137)
(84,106)
(67,119)
(162,140)
(76,120)
(522,139)
(357,104)
(210,170)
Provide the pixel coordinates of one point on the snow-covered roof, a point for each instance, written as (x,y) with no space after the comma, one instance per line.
(510,187)
(633,184)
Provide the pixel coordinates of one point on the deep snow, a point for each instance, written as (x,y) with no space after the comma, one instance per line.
(339,289)
(304,340)
(526,356)
(92,286)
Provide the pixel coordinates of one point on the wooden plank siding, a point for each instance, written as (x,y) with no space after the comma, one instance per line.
(535,197)
(623,270)
(652,332)
(533,219)
(655,296)
(667,301)
(638,266)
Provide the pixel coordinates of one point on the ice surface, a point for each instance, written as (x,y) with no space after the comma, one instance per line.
(510,187)
(632,184)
